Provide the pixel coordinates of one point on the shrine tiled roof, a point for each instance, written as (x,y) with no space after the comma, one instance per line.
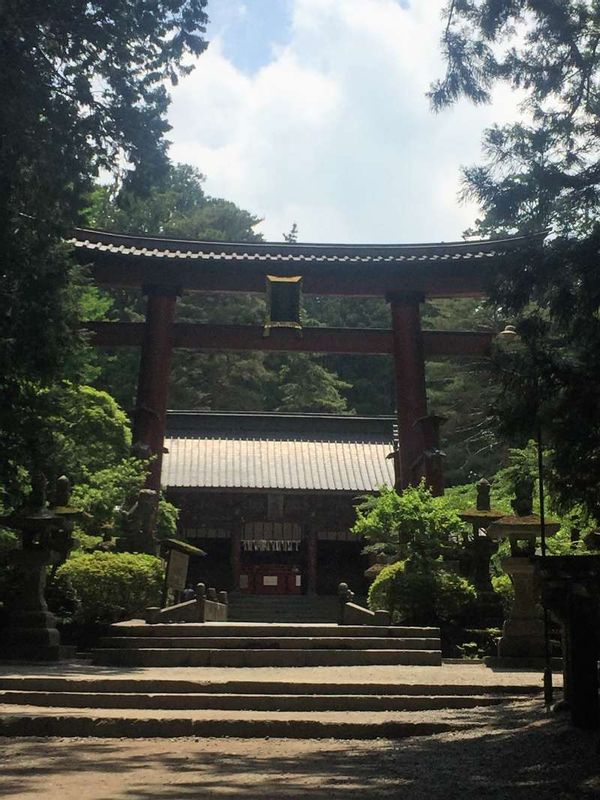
(88,241)
(273,452)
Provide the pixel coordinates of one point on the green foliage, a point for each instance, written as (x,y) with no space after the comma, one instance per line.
(415,528)
(111,490)
(542,172)
(176,207)
(83,89)
(522,463)
(383,591)
(454,596)
(410,524)
(419,594)
(484,642)
(106,492)
(166,523)
(76,431)
(503,587)
(538,174)
(8,541)
(112,586)
(551,377)
(90,431)
(463,390)
(306,385)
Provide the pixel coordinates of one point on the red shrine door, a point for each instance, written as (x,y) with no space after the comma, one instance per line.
(271,558)
(270,579)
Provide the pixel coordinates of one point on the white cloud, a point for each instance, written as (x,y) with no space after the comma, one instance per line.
(335,133)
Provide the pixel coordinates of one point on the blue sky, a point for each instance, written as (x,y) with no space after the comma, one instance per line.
(250,30)
(314,112)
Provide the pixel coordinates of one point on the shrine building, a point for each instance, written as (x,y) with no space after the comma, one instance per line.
(272,496)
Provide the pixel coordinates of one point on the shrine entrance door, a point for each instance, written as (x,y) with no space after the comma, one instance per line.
(271,558)
(271,579)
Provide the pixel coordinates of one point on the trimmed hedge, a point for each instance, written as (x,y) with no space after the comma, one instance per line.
(112,586)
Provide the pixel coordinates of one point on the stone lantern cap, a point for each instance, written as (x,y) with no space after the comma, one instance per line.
(526,527)
(481,517)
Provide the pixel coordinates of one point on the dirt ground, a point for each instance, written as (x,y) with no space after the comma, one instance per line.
(461,673)
(519,754)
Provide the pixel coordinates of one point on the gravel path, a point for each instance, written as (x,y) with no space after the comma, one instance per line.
(517,753)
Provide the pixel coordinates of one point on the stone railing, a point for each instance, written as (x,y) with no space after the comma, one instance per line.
(208,606)
(352,614)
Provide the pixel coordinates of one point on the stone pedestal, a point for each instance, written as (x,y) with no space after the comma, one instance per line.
(523,630)
(571,591)
(31,631)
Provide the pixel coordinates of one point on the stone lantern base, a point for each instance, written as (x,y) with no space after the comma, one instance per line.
(31,631)
(523,630)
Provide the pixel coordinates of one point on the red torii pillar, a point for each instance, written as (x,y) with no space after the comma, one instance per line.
(153,378)
(418,455)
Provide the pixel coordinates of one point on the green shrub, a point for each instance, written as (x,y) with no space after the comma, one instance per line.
(416,594)
(384,589)
(455,596)
(503,587)
(112,586)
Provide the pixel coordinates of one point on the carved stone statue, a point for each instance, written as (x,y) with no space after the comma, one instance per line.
(139,523)
(62,493)
(523,502)
(483,495)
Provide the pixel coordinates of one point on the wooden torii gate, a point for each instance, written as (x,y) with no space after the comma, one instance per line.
(405,275)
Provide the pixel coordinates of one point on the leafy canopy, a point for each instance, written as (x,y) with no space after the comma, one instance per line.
(544,170)
(83,89)
(410,524)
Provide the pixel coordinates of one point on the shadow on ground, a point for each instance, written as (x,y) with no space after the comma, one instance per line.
(519,755)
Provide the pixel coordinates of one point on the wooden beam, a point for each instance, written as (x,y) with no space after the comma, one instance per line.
(432,279)
(215,338)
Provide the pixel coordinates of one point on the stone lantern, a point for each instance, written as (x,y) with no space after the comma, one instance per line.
(523,630)
(46,539)
(480,548)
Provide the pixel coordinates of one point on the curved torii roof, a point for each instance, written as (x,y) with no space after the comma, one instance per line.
(443,269)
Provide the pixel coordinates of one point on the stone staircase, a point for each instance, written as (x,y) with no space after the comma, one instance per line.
(248,644)
(282,608)
(103,705)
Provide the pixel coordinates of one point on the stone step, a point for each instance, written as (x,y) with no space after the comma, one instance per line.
(272,643)
(247,702)
(115,723)
(283,617)
(161,657)
(258,611)
(99,683)
(255,630)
